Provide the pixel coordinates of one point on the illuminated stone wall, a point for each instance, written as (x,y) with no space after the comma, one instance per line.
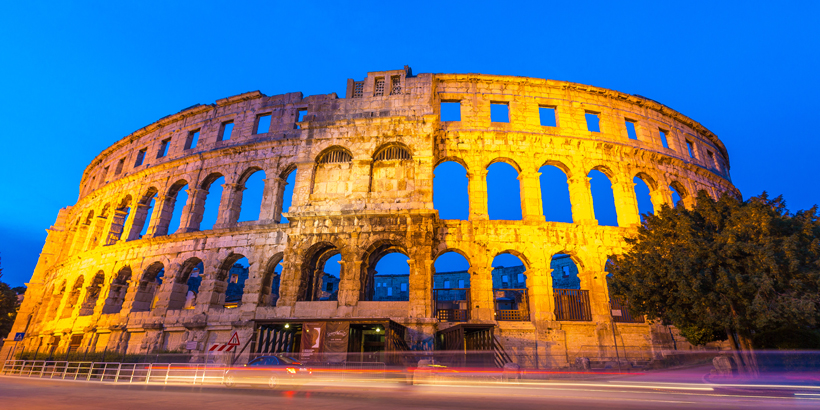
(364,188)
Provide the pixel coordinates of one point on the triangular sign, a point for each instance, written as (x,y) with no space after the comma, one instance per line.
(234,340)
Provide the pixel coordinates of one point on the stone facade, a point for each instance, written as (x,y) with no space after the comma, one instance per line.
(363,188)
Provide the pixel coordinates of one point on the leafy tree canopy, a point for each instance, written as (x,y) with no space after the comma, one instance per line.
(724,269)
(8,307)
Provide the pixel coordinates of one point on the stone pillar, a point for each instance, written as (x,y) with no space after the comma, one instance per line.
(229,206)
(581,197)
(350,284)
(115,227)
(163,209)
(420,289)
(626,204)
(540,293)
(134,225)
(594,281)
(270,195)
(278,197)
(661,196)
(289,283)
(532,208)
(78,243)
(211,295)
(251,294)
(303,185)
(482,306)
(192,212)
(477,193)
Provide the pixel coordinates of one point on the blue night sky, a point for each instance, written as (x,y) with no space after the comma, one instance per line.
(77,78)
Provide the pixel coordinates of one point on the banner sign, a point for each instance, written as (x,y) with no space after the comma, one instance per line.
(313,335)
(336,338)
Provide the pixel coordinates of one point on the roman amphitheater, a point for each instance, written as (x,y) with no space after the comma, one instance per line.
(114,276)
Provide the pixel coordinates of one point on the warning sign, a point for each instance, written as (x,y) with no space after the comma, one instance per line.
(225,347)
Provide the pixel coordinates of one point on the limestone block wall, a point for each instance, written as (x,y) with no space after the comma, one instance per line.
(363,188)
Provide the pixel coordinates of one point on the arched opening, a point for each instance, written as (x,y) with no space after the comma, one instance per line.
(287,194)
(603,198)
(451,287)
(116,294)
(146,297)
(643,197)
(678,193)
(97,227)
(211,200)
(510,296)
(555,194)
(142,215)
(233,273)
(56,299)
(174,206)
(503,192)
(82,233)
(271,281)
(186,285)
(72,298)
(121,214)
(320,273)
(571,302)
(92,293)
(333,174)
(392,278)
(251,201)
(450,191)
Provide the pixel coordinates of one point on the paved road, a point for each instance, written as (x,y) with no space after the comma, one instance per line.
(18,393)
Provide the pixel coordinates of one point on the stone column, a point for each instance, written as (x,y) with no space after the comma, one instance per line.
(134,225)
(532,208)
(594,281)
(270,194)
(303,185)
(661,196)
(482,306)
(163,209)
(477,193)
(626,204)
(115,227)
(540,293)
(229,206)
(581,197)
(278,197)
(350,285)
(420,289)
(193,211)
(211,295)
(289,283)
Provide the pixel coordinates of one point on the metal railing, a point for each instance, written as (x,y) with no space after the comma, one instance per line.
(620,312)
(187,373)
(511,304)
(452,305)
(572,305)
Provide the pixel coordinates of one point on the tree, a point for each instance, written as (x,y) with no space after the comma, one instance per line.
(8,307)
(726,269)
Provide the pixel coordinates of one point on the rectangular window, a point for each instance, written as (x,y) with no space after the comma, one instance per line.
(451,110)
(461,283)
(358,89)
(395,85)
(300,116)
(505,280)
(192,140)
(329,287)
(630,129)
(521,278)
(225,131)
(163,148)
(499,112)
(262,124)
(104,174)
(547,115)
(663,137)
(565,270)
(446,284)
(119,166)
(389,291)
(691,148)
(140,157)
(404,287)
(593,121)
(378,89)
(712,159)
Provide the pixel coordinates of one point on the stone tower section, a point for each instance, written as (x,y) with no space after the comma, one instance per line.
(115,275)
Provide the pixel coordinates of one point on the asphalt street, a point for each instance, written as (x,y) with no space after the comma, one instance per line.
(22,393)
